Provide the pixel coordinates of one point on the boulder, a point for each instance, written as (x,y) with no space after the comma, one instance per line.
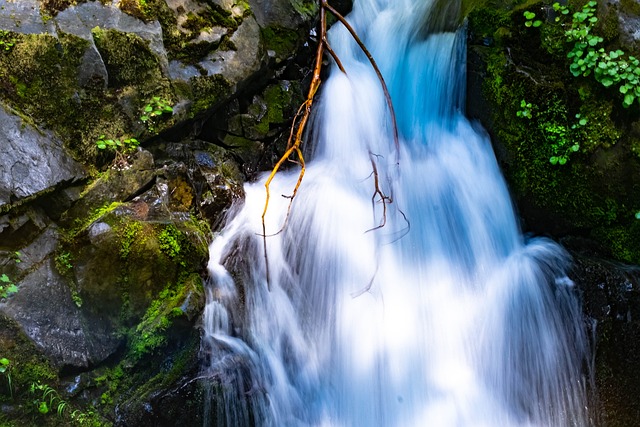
(32,161)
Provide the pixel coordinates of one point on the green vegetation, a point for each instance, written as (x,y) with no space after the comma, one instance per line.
(543,117)
(613,68)
(7,41)
(154,110)
(5,370)
(7,287)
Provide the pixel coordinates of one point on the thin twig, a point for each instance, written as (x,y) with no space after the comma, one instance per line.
(364,49)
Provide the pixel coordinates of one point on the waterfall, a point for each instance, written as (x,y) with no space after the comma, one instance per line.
(444,316)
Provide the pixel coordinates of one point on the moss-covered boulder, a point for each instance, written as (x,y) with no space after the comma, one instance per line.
(567,144)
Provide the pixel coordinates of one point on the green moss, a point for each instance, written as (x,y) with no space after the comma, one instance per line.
(306,8)
(587,195)
(129,235)
(283,41)
(128,59)
(150,334)
(208,18)
(623,242)
(54,6)
(208,91)
(631,7)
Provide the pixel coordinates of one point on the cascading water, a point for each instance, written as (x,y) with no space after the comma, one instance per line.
(445,316)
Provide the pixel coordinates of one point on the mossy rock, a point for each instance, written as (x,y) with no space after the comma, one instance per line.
(594,194)
(128,59)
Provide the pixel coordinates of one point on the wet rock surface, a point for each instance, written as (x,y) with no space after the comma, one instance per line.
(32,161)
(611,300)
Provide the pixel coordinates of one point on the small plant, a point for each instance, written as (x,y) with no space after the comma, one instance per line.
(64,261)
(154,110)
(47,399)
(121,148)
(126,146)
(530,19)
(7,287)
(5,369)
(613,68)
(525,110)
(6,41)
(563,140)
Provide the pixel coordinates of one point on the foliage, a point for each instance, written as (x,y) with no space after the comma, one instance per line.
(563,139)
(5,369)
(530,19)
(6,41)
(64,261)
(126,146)
(47,400)
(7,287)
(525,110)
(154,110)
(613,68)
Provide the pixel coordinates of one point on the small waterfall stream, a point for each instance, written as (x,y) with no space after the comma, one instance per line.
(446,316)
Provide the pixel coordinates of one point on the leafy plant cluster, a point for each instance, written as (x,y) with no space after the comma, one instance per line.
(562,137)
(613,68)
(7,287)
(150,115)
(154,110)
(6,41)
(46,400)
(5,370)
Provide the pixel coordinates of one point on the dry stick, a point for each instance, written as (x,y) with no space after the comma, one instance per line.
(306,107)
(378,192)
(295,145)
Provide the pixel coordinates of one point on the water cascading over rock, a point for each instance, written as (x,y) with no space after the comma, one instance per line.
(444,316)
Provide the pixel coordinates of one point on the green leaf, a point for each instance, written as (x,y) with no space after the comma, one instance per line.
(528,24)
(575,147)
(623,89)
(583,122)
(553,160)
(5,278)
(529,15)
(638,215)
(12,289)
(43,408)
(144,118)
(157,112)
(628,100)
(606,81)
(148,109)
(562,160)
(537,23)
(4,361)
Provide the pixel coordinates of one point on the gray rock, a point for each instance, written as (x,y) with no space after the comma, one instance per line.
(278,12)
(24,17)
(237,65)
(48,316)
(31,161)
(79,20)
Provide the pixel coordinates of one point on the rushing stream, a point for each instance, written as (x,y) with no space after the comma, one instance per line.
(445,316)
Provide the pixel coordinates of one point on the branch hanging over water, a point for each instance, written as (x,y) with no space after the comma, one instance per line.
(302,117)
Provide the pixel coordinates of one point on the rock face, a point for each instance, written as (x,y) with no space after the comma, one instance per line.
(108,248)
(31,161)
(611,293)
